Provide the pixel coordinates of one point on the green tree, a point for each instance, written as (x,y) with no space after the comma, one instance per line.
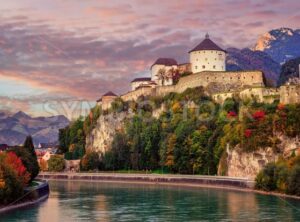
(56,163)
(28,160)
(120,155)
(28,144)
(294,181)
(90,161)
(150,144)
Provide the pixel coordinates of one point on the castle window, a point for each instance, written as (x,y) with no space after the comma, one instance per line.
(205,59)
(203,67)
(207,78)
(214,67)
(196,67)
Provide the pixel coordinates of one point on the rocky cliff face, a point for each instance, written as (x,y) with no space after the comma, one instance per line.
(247,59)
(281,44)
(102,135)
(242,164)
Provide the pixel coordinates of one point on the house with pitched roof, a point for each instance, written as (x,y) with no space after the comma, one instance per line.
(106,100)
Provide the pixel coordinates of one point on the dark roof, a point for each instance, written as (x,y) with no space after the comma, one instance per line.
(47,145)
(3,147)
(141,79)
(165,61)
(99,100)
(207,44)
(110,93)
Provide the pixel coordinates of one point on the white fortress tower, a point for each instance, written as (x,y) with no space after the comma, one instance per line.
(207,56)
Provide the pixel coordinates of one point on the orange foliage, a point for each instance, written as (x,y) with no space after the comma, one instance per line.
(16,164)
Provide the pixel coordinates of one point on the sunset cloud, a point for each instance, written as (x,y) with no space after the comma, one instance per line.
(78,50)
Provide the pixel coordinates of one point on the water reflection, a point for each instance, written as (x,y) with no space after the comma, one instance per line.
(77,201)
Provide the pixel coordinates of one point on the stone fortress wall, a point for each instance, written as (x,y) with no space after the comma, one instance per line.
(207,64)
(235,80)
(245,84)
(290,94)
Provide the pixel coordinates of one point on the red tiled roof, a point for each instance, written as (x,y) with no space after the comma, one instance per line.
(207,44)
(165,61)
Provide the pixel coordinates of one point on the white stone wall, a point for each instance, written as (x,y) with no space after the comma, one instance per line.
(154,70)
(290,94)
(107,101)
(134,85)
(134,95)
(240,79)
(207,60)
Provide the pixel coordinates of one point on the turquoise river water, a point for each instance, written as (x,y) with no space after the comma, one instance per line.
(96,201)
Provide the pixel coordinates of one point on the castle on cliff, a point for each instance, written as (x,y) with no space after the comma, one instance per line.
(206,68)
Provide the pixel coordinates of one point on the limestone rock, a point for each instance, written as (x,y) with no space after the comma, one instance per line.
(102,135)
(243,164)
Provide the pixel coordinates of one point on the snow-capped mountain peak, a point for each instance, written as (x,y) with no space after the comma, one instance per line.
(281,44)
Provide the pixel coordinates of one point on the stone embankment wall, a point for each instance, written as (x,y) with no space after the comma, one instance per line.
(188,180)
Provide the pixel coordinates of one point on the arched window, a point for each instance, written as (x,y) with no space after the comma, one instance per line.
(203,67)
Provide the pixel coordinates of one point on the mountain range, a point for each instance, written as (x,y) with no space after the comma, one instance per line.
(271,50)
(14,128)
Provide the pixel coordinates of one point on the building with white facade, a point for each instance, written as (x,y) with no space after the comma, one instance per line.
(207,56)
(139,82)
(160,71)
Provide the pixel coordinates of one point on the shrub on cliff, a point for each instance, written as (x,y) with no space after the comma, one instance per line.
(266,180)
(282,176)
(294,181)
(90,161)
(56,163)
(72,134)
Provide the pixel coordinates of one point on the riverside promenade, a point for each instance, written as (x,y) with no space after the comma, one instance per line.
(172,179)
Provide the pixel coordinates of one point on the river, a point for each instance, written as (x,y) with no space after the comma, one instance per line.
(96,201)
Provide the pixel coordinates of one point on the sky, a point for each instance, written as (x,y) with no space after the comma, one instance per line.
(60,56)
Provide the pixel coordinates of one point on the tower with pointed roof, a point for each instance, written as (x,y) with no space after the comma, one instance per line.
(207,56)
